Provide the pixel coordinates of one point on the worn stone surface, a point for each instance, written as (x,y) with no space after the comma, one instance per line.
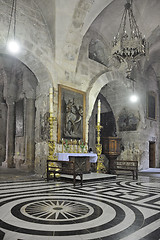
(56,48)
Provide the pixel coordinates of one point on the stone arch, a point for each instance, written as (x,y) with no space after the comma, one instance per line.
(30,26)
(44,79)
(35,65)
(79,26)
(98,83)
(108,121)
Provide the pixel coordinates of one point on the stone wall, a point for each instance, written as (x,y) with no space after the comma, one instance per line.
(3,116)
(64,56)
(135,139)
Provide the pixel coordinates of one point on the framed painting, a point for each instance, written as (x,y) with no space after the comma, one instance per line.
(71,113)
(151,105)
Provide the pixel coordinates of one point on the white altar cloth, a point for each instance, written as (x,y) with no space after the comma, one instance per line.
(65,156)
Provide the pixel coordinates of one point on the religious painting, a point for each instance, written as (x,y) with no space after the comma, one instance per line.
(151,105)
(128,120)
(98,52)
(71,114)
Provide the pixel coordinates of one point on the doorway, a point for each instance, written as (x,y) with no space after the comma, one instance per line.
(107,122)
(152,158)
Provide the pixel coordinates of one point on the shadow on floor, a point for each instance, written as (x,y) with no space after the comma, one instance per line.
(151,172)
(13,174)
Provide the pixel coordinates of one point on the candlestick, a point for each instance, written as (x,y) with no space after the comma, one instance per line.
(100,161)
(70,149)
(51,142)
(62,146)
(99,112)
(51,101)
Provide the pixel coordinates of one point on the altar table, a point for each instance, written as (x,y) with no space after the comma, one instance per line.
(65,156)
(75,164)
(82,161)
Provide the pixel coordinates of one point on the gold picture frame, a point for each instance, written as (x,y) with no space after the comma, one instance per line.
(71,113)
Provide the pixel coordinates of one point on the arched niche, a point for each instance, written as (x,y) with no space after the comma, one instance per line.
(18,95)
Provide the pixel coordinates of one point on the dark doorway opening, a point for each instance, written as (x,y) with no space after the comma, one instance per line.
(152,147)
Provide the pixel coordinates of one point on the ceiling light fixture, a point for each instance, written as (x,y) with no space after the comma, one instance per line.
(133,98)
(129,45)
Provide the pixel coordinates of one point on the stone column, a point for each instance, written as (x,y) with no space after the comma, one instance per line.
(10,135)
(3,122)
(29,135)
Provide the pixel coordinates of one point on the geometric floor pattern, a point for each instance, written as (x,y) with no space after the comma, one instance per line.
(110,209)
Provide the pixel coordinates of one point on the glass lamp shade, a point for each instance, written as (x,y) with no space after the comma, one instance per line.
(133,98)
(13,46)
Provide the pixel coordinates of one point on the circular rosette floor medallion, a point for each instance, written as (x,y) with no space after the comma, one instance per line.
(58,210)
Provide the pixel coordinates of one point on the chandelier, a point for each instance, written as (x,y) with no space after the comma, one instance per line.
(129,45)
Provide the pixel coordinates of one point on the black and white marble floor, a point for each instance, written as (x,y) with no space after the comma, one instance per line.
(112,209)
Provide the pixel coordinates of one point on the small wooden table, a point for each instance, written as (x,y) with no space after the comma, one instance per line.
(82,160)
(75,164)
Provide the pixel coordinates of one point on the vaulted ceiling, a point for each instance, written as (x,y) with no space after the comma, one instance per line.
(104,17)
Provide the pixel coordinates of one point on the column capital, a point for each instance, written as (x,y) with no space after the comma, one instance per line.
(10,101)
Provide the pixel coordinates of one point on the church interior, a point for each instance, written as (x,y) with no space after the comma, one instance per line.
(79,93)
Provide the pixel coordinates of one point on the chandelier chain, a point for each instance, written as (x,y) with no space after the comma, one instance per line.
(12,15)
(129,45)
(15,8)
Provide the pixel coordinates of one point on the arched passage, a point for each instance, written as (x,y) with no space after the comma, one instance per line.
(111,86)
(107,122)
(18,95)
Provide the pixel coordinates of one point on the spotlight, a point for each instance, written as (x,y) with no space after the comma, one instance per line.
(13,47)
(134,98)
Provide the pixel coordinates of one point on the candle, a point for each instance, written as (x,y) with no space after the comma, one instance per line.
(99,112)
(51,101)
(62,146)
